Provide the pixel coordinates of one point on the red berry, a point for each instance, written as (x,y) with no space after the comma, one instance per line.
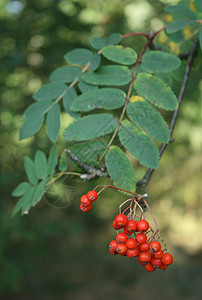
(92,195)
(121,220)
(142,225)
(121,237)
(144,257)
(158,254)
(131,253)
(155,246)
(85,201)
(115,226)
(85,208)
(141,238)
(131,226)
(113,244)
(121,248)
(144,247)
(131,243)
(112,252)
(127,231)
(163,267)
(167,259)
(149,267)
(156,262)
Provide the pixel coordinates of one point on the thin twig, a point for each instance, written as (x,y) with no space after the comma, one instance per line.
(146,178)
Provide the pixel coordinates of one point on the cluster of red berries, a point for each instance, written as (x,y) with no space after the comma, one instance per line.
(149,253)
(86,200)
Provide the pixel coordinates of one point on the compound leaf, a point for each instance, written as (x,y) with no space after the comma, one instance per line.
(120,54)
(178,25)
(49,91)
(21,189)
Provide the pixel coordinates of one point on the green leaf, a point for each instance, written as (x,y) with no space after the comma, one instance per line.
(200,37)
(37,109)
(158,61)
(120,54)
(67,101)
(63,162)
(79,56)
(181,11)
(114,38)
(41,166)
(52,160)
(30,126)
(39,192)
(109,75)
(30,170)
(139,145)
(106,98)
(156,91)
(65,74)
(85,87)
(95,62)
(90,127)
(98,43)
(166,77)
(49,91)
(178,25)
(198,6)
(53,122)
(21,189)
(145,115)
(120,169)
(25,202)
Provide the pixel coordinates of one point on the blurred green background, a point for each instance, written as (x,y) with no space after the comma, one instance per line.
(61,253)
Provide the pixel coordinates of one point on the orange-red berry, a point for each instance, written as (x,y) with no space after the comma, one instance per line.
(121,220)
(158,254)
(156,262)
(131,253)
(85,208)
(131,243)
(115,226)
(148,267)
(167,259)
(113,244)
(130,227)
(121,248)
(155,246)
(163,267)
(141,238)
(144,257)
(144,247)
(121,237)
(92,195)
(85,201)
(142,225)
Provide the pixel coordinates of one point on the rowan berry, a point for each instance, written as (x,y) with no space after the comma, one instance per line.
(148,267)
(121,248)
(92,195)
(167,259)
(144,247)
(85,201)
(117,227)
(156,262)
(113,252)
(142,225)
(121,237)
(85,208)
(121,220)
(130,227)
(131,243)
(131,253)
(141,238)
(158,254)
(155,246)
(163,267)
(144,257)
(113,244)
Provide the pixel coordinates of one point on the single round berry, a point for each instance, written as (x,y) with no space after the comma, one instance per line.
(85,208)
(121,220)
(92,195)
(132,253)
(127,231)
(131,243)
(115,226)
(144,257)
(121,248)
(155,246)
(148,267)
(141,238)
(113,244)
(144,247)
(156,262)
(85,201)
(121,237)
(131,226)
(158,254)
(167,259)
(142,225)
